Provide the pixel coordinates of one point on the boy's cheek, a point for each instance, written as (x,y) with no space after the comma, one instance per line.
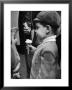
(37,33)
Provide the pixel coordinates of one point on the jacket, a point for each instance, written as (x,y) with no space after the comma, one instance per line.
(45,60)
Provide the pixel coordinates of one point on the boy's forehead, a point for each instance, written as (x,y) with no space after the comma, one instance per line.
(38,24)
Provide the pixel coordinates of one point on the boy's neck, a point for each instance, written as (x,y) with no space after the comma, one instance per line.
(41,40)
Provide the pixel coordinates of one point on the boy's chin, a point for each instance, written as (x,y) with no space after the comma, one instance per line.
(41,38)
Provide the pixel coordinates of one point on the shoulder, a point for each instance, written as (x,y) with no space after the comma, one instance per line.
(49,51)
(50,46)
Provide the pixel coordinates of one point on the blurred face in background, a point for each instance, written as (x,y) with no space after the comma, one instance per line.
(15,35)
(27,27)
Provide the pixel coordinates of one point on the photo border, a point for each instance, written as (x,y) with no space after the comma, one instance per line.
(2,26)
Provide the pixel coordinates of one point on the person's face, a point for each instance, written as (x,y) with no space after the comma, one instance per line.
(41,30)
(27,27)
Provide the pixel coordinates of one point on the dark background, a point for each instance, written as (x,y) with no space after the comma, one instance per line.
(2,41)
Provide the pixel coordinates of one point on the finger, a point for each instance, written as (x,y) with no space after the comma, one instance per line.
(29,45)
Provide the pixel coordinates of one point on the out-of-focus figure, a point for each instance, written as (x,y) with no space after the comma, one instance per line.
(15,58)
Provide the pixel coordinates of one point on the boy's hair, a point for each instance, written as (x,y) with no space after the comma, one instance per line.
(51,18)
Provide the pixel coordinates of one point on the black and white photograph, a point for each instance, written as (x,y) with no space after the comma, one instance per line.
(36,37)
(36,45)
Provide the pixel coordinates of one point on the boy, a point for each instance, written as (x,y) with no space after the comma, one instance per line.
(45,59)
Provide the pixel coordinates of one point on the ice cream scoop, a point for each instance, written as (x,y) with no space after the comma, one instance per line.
(28,41)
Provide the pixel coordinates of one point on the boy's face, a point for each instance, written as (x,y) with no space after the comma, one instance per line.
(41,30)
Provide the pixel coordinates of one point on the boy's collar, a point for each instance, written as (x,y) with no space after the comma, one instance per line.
(51,38)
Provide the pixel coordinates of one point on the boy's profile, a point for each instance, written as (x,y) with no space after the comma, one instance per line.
(45,59)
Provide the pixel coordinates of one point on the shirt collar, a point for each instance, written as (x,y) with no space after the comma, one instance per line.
(51,38)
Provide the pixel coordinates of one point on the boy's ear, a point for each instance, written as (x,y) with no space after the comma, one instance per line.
(48,28)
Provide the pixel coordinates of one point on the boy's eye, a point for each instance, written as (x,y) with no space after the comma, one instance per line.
(36,27)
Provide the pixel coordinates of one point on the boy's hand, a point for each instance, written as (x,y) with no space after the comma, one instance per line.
(32,48)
